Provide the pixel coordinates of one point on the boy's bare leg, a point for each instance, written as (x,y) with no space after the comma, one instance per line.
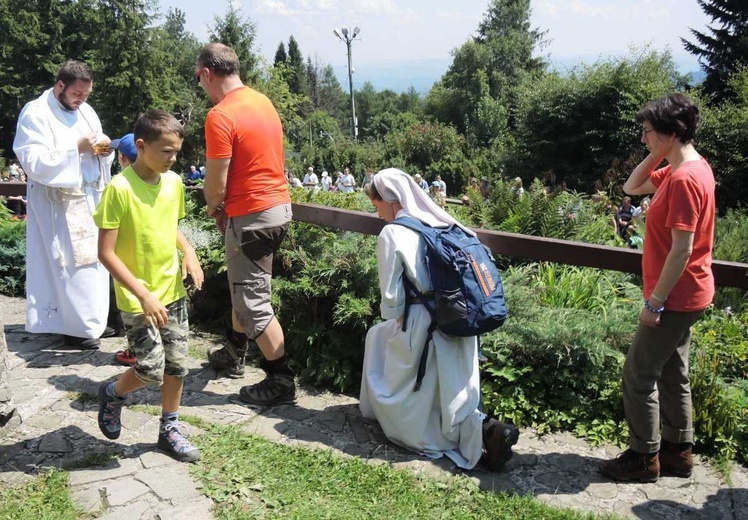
(171,393)
(129,382)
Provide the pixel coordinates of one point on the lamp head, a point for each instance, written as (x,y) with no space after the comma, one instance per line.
(336,33)
(345,31)
(356,31)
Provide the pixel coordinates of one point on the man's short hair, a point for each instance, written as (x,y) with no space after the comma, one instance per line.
(219,58)
(73,70)
(151,125)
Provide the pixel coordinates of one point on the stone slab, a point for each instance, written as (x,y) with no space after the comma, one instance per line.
(169,483)
(121,491)
(113,470)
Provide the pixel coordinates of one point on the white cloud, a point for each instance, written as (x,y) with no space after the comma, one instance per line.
(308,8)
(275,8)
(609,11)
(455,15)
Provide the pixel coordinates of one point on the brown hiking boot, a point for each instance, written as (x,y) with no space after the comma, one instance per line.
(498,439)
(632,466)
(230,358)
(676,459)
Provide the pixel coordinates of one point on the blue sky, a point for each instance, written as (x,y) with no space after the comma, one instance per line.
(395,31)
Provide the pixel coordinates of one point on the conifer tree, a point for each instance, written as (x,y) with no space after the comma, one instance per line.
(280,55)
(297,81)
(724,48)
(238,32)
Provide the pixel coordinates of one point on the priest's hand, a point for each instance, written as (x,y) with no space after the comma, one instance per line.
(87,142)
(154,311)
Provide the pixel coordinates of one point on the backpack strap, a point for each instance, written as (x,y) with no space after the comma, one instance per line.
(413,293)
(427,302)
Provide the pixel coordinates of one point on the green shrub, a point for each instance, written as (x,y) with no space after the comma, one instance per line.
(724,336)
(563,214)
(557,366)
(720,410)
(12,254)
(326,297)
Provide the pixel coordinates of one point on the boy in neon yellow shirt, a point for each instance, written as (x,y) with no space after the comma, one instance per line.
(138,241)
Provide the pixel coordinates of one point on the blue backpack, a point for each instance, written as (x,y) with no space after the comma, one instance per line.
(467,297)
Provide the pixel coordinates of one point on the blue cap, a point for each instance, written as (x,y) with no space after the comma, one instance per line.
(126,146)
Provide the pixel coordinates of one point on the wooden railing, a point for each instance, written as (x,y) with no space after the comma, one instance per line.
(13,189)
(726,274)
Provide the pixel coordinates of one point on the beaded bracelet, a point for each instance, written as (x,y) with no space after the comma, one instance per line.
(659,310)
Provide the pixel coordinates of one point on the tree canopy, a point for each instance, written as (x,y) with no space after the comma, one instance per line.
(724,48)
(499,110)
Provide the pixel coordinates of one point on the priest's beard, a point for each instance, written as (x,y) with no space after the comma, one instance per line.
(66,102)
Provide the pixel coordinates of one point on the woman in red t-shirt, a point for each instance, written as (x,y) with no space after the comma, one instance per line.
(678,286)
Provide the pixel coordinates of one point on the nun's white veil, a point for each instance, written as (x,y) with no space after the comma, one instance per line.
(395,185)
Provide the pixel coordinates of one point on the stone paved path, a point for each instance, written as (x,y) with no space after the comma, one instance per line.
(131,479)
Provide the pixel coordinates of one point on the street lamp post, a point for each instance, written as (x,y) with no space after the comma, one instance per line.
(347,35)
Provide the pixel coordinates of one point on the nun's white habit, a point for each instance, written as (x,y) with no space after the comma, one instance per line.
(442,418)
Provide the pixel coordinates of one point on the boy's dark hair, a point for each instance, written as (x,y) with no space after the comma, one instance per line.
(152,124)
(674,114)
(73,70)
(219,58)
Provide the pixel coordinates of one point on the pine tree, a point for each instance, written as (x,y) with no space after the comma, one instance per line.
(486,73)
(238,32)
(280,55)
(724,48)
(297,81)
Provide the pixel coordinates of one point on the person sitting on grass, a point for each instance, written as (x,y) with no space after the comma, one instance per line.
(139,239)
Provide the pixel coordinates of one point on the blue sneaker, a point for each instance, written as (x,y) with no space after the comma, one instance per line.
(172,440)
(110,409)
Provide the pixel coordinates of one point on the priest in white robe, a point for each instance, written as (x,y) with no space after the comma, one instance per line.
(61,146)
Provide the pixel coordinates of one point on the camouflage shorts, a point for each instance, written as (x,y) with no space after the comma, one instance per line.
(159,350)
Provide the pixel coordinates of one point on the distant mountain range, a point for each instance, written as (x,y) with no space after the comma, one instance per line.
(422,74)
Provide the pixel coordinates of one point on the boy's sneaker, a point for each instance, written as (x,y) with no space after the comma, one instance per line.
(229,359)
(274,389)
(498,439)
(172,440)
(110,409)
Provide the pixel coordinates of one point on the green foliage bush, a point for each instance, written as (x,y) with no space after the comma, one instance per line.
(554,364)
(723,140)
(326,294)
(579,124)
(12,254)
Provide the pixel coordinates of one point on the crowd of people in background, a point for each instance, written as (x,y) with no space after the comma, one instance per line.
(345,182)
(15,203)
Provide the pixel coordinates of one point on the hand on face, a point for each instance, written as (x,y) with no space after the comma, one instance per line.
(658,144)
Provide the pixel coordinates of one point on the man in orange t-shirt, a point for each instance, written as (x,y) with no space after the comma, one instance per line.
(247,193)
